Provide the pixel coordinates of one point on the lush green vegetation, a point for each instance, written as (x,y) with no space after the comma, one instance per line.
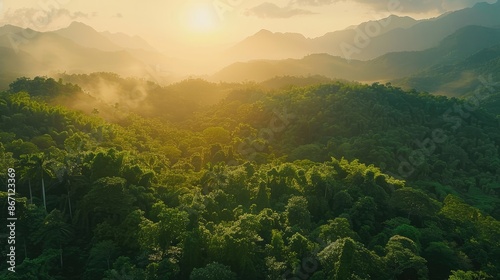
(331,181)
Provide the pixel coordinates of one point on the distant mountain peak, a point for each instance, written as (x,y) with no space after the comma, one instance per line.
(486,4)
(87,36)
(263,32)
(79,25)
(401,17)
(9,28)
(393,16)
(128,41)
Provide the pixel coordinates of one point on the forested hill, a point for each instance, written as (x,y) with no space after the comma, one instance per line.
(332,181)
(461,78)
(416,136)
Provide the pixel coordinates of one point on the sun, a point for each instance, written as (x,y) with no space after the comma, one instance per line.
(201,18)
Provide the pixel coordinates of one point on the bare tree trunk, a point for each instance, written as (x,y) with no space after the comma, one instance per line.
(69,204)
(43,194)
(25,249)
(60,254)
(31,194)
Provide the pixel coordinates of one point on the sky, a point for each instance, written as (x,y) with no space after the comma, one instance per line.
(205,24)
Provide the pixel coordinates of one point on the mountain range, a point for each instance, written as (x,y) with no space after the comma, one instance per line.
(456,47)
(402,50)
(474,75)
(105,41)
(367,40)
(77,48)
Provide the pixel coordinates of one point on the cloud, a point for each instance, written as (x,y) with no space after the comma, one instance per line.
(270,10)
(39,19)
(413,6)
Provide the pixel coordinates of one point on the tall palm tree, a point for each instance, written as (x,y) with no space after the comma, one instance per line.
(54,233)
(27,171)
(40,165)
(67,170)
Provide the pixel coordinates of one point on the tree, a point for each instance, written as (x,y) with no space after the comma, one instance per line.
(262,198)
(124,269)
(297,213)
(363,213)
(158,237)
(442,259)
(414,202)
(408,231)
(336,229)
(41,267)
(299,244)
(127,233)
(403,260)
(19,147)
(455,209)
(469,275)
(342,201)
(6,159)
(167,268)
(40,165)
(309,151)
(44,142)
(277,244)
(216,134)
(193,250)
(236,244)
(348,259)
(66,171)
(213,271)
(108,199)
(106,164)
(101,258)
(54,233)
(27,172)
(344,265)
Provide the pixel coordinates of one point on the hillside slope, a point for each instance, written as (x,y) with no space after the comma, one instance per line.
(461,45)
(145,196)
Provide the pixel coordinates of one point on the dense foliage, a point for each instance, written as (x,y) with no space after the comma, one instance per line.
(333,181)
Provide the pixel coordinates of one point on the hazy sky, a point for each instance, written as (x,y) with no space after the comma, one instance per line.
(191,23)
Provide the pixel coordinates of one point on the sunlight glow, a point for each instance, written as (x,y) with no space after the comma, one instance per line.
(202,18)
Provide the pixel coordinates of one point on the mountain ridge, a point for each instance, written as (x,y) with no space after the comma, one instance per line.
(459,45)
(389,35)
